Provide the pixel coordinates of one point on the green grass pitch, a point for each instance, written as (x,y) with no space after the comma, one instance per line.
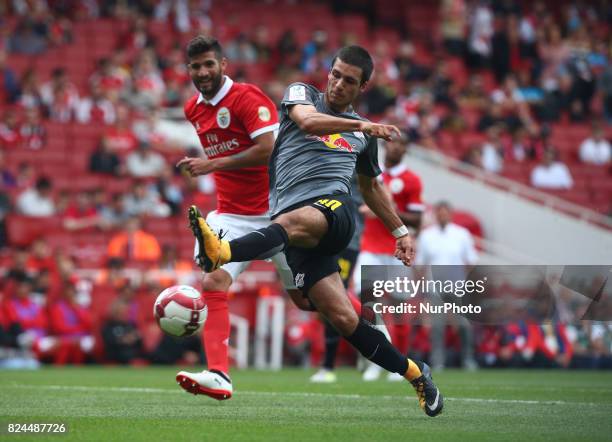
(145,404)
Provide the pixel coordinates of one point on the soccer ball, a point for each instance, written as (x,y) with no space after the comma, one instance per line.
(180,311)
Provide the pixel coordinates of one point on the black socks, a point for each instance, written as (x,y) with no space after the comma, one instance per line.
(260,244)
(373,344)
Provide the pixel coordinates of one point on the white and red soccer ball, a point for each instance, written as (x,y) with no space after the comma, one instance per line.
(180,311)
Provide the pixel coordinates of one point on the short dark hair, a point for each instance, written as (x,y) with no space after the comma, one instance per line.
(356,56)
(201,44)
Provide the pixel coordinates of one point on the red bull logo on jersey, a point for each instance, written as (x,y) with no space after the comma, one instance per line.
(335,141)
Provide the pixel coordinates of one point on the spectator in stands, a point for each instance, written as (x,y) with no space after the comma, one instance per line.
(480,34)
(122,339)
(409,70)
(96,108)
(28,318)
(32,133)
(30,95)
(27,38)
(453,16)
(60,96)
(7,178)
(147,83)
(551,173)
(144,162)
(120,137)
(5,208)
(473,95)
(104,160)
(605,86)
(172,269)
(9,87)
(9,130)
(596,149)
(315,54)
(168,190)
(241,50)
(144,200)
(71,324)
(111,77)
(81,214)
(523,146)
(447,244)
(288,50)
(114,214)
(261,44)
(134,244)
(38,200)
(493,151)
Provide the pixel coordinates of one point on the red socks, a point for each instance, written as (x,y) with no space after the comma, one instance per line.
(216,331)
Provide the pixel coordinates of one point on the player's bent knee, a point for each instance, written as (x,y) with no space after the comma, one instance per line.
(345,323)
(218,280)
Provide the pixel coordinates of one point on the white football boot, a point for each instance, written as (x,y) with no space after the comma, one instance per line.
(206,382)
(323,376)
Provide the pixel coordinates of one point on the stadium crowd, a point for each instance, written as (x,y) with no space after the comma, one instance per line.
(86,165)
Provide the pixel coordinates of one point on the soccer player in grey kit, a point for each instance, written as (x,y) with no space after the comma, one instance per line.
(321,142)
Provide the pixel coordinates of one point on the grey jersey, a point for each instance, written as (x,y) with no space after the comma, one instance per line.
(303,166)
(358,200)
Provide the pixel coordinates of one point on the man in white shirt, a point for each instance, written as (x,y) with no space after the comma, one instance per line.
(37,201)
(144,162)
(596,149)
(447,244)
(551,174)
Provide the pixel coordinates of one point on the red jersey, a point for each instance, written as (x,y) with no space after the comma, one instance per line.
(405,188)
(227,125)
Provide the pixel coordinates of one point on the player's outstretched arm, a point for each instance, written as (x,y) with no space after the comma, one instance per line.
(379,201)
(257,155)
(315,123)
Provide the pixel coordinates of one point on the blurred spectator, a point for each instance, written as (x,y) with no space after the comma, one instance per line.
(60,96)
(551,174)
(71,323)
(261,44)
(447,244)
(473,95)
(9,130)
(522,147)
(9,87)
(28,37)
(96,108)
(7,178)
(41,258)
(28,318)
(120,137)
(147,83)
(144,200)
(32,133)
(493,151)
(38,200)
(5,208)
(110,77)
(137,37)
(114,214)
(81,214)
(122,339)
(409,70)
(144,162)
(25,176)
(288,51)
(605,86)
(104,160)
(133,243)
(170,193)
(480,33)
(241,50)
(473,156)
(30,96)
(596,149)
(315,54)
(453,14)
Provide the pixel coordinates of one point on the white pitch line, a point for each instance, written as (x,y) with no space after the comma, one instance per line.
(300,394)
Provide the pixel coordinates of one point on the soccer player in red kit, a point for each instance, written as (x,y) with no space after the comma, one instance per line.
(377,244)
(236,124)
